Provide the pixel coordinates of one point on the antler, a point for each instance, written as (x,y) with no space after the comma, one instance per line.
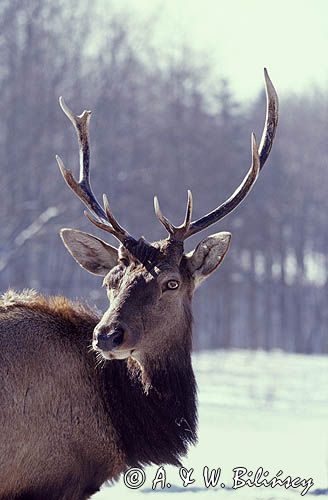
(101,217)
(259,157)
(175,232)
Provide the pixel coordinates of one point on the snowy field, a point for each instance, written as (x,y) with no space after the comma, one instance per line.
(255,410)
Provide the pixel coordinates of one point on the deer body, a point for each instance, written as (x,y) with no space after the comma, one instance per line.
(67,424)
(52,407)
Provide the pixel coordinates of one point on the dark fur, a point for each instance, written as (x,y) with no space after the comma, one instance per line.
(68,426)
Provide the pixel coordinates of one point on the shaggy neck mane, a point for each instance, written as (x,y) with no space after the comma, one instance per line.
(155,423)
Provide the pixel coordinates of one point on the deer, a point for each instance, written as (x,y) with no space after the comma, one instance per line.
(68,424)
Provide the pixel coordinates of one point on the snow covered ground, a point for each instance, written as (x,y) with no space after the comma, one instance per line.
(256,410)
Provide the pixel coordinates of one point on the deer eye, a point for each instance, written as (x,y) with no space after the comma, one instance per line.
(172,285)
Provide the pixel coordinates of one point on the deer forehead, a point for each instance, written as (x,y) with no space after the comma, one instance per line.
(168,257)
(135,275)
(134,278)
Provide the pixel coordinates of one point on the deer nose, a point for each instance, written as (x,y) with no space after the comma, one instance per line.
(109,340)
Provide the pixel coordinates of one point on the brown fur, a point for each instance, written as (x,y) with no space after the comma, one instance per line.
(57,306)
(68,426)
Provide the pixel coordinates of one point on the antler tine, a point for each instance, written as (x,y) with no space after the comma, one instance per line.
(259,158)
(163,220)
(81,125)
(116,226)
(188,215)
(271,119)
(175,232)
(234,200)
(122,236)
(82,188)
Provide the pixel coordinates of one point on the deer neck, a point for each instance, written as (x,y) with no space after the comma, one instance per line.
(155,416)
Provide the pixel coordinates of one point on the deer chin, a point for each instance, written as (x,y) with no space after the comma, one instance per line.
(123,354)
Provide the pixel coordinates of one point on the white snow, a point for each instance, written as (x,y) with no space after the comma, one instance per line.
(256,409)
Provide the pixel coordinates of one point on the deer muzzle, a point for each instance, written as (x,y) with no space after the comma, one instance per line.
(109,340)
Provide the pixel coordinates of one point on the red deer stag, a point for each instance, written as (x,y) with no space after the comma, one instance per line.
(68,426)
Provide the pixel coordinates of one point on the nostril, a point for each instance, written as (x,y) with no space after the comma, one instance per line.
(102,340)
(117,337)
(102,336)
(108,340)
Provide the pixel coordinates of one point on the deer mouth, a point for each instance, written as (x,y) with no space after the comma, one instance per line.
(123,354)
(114,344)
(115,353)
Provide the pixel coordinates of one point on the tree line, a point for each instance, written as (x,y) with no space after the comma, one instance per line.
(161,123)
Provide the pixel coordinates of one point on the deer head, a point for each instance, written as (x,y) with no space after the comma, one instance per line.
(150,285)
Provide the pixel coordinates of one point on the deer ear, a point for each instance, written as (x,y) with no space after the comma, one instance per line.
(207,256)
(90,252)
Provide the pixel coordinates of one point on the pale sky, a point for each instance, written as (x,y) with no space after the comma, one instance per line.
(289,37)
